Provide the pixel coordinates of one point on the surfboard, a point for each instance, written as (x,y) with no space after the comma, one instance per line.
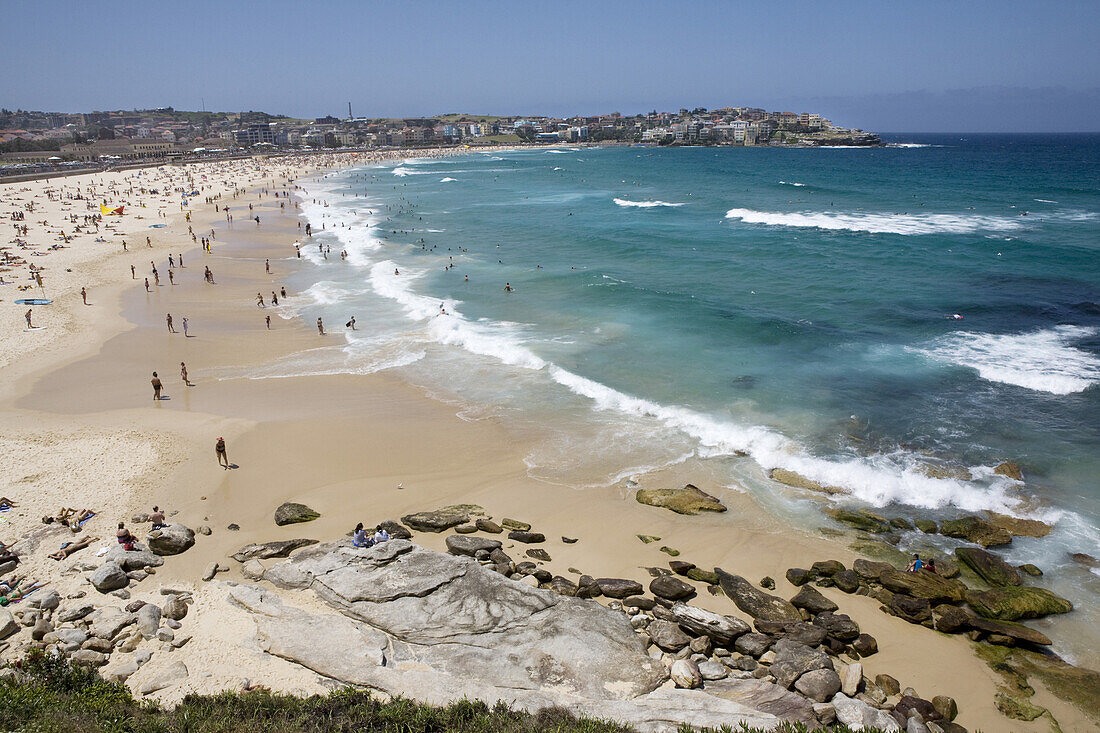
(34,301)
(34,328)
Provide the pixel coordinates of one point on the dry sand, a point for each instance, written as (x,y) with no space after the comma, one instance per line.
(81,430)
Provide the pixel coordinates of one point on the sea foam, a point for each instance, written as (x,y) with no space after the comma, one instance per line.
(643,204)
(879,223)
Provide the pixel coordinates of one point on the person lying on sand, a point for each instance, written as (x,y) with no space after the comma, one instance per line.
(69,549)
(6,502)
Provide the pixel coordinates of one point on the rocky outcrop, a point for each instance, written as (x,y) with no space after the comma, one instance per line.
(988,566)
(1009,604)
(688,500)
(756,603)
(976,530)
(863,519)
(171,539)
(1018,527)
(923,584)
(798,481)
(294,513)
(722,630)
(266,550)
(443,519)
(108,577)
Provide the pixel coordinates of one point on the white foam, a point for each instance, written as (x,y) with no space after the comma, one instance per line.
(879,223)
(912,145)
(401,171)
(1045,201)
(447,180)
(643,204)
(1043,360)
(791,183)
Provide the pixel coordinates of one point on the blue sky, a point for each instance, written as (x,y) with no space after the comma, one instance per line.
(884,66)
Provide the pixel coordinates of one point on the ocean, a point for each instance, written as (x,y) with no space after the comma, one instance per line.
(892,321)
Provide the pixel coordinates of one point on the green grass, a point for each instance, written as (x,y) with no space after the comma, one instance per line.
(55,697)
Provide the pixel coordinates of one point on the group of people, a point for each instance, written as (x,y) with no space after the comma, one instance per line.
(916,564)
(363,538)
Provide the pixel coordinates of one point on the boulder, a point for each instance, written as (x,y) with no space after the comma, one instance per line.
(913,610)
(171,539)
(688,500)
(811,599)
(537,553)
(108,577)
(685,674)
(618,587)
(489,526)
(703,576)
(792,660)
(1009,604)
(753,644)
(459,544)
(888,684)
(175,608)
(291,512)
(680,567)
(865,645)
(799,576)
(8,624)
(754,602)
(443,519)
(827,568)
(946,706)
(870,569)
(88,658)
(908,704)
(668,636)
(1018,527)
(1010,630)
(266,550)
(847,581)
(851,679)
(529,538)
(767,582)
(988,566)
(839,626)
(1032,570)
(976,530)
(712,670)
(562,586)
(395,529)
(803,633)
(858,715)
(798,481)
(671,588)
(75,614)
(951,619)
(137,559)
(819,684)
(167,676)
(722,630)
(1009,469)
(148,620)
(860,519)
(923,584)
(122,672)
(253,570)
(927,526)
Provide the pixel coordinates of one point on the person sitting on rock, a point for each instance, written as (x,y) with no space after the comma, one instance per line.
(915,564)
(360,538)
(380,535)
(124,537)
(157,518)
(930,566)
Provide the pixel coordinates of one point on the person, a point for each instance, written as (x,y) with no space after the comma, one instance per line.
(124,537)
(183,374)
(380,535)
(320,327)
(133,272)
(260,300)
(185,327)
(930,566)
(274,298)
(171,278)
(267,265)
(915,564)
(147,285)
(360,538)
(157,518)
(267,320)
(27,315)
(219,448)
(282,292)
(508,287)
(84,295)
(156,386)
(351,324)
(168,320)
(67,550)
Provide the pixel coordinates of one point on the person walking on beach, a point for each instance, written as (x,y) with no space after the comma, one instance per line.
(267,266)
(156,277)
(185,335)
(219,449)
(171,278)
(183,375)
(274,298)
(156,387)
(267,320)
(133,272)
(147,285)
(27,315)
(320,327)
(260,301)
(84,295)
(168,320)
(351,324)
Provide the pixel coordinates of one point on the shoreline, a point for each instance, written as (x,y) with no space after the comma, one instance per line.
(342,445)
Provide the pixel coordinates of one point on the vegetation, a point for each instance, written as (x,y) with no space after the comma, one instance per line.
(52,696)
(19,145)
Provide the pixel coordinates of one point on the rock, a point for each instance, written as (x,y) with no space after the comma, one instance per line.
(233,527)
(804,633)
(976,530)
(671,588)
(827,568)
(887,684)
(618,587)
(109,622)
(1009,469)
(946,707)
(395,529)
(840,626)
(88,658)
(443,519)
(1009,604)
(799,576)
(988,566)
(685,674)
(638,602)
(756,603)
(279,548)
(847,581)
(587,587)
(1031,570)
(108,577)
(175,608)
(171,539)
(74,614)
(819,685)
(668,636)
(210,571)
(862,519)
(792,660)
(529,538)
(1085,559)
(680,567)
(722,630)
(911,703)
(165,634)
(901,523)
(45,599)
(148,620)
(291,512)
(703,576)
(1014,631)
(753,644)
(865,645)
(1019,527)
(166,677)
(790,478)
(470,546)
(825,713)
(103,646)
(927,526)
(562,586)
(951,619)
(869,569)
(122,672)
(811,599)
(204,530)
(488,525)
(923,584)
(253,570)
(468,528)
(537,553)
(711,670)
(1018,708)
(913,610)
(851,679)
(688,500)
(514,525)
(858,715)
(767,583)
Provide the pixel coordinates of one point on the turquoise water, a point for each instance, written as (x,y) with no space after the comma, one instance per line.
(746,309)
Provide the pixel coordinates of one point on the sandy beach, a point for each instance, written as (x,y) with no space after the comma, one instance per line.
(81,431)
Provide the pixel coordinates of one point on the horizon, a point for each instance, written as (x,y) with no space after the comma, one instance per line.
(940,67)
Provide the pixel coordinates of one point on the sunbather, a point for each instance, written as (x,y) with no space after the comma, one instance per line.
(64,552)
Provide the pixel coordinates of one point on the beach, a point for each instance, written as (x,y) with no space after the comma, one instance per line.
(81,431)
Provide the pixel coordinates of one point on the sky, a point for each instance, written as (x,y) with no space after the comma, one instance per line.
(884,66)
